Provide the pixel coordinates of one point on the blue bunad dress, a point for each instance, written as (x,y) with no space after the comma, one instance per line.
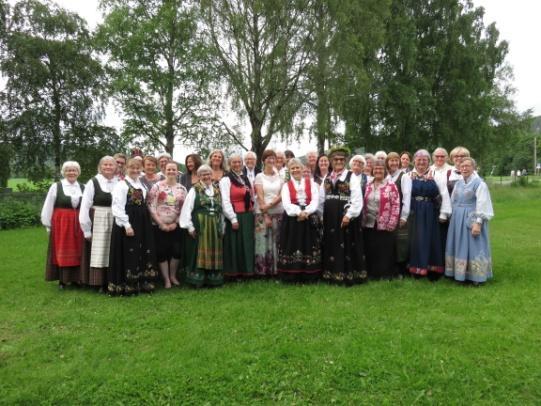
(468,258)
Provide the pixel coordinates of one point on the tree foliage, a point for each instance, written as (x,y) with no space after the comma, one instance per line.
(160,71)
(262,49)
(54,87)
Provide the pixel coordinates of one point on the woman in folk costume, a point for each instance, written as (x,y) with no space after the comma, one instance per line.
(299,248)
(96,219)
(403,184)
(341,201)
(165,201)
(131,262)
(268,185)
(201,216)
(430,204)
(468,256)
(380,215)
(238,209)
(60,215)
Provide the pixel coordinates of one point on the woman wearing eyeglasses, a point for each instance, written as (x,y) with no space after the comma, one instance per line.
(341,200)
(429,204)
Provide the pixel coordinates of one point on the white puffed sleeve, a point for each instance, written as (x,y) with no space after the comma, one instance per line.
(405,185)
(291,209)
(483,207)
(86,204)
(185,219)
(321,199)
(445,209)
(356,198)
(48,207)
(225,191)
(314,203)
(118,206)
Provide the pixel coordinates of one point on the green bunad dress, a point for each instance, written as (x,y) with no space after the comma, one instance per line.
(202,212)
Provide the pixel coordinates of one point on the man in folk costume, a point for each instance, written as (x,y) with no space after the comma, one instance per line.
(341,201)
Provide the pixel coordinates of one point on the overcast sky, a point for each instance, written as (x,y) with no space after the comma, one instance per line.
(517,21)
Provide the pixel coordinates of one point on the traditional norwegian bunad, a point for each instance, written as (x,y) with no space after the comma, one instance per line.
(343,247)
(299,248)
(60,215)
(238,208)
(132,258)
(380,217)
(403,185)
(429,201)
(446,175)
(266,238)
(96,219)
(201,216)
(468,258)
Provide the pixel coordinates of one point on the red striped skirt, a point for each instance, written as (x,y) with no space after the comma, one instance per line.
(67,238)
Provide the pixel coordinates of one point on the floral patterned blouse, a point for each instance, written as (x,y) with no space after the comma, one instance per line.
(165,202)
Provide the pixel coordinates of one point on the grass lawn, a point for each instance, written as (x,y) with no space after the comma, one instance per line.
(408,341)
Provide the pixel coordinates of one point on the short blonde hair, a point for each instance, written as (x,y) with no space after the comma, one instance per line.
(70,164)
(458,150)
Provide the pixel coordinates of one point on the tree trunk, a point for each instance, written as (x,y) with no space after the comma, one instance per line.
(57,132)
(169,116)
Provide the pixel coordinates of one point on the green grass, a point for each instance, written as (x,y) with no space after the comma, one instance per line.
(399,342)
(13,182)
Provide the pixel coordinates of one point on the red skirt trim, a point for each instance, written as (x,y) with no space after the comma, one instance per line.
(424,271)
(67,238)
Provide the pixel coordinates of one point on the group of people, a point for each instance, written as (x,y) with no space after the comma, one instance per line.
(228,220)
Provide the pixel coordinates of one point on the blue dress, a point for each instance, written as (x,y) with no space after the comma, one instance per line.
(426,251)
(468,257)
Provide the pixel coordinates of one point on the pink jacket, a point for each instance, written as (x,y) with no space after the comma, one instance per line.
(389,206)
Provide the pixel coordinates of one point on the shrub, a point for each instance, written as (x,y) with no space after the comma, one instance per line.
(16,214)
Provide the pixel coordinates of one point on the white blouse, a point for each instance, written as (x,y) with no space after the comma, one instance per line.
(272,185)
(185,219)
(405,185)
(294,210)
(227,206)
(72,190)
(107,185)
(483,206)
(355,198)
(120,197)
(440,173)
(445,209)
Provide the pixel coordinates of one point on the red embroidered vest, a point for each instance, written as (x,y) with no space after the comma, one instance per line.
(237,194)
(293,191)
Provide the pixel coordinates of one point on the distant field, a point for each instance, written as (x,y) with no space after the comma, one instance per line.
(399,342)
(13,182)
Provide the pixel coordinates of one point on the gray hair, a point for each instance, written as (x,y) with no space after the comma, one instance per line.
(468,158)
(294,161)
(233,156)
(439,149)
(203,169)
(70,164)
(165,155)
(249,153)
(357,158)
(421,152)
(103,159)
(381,155)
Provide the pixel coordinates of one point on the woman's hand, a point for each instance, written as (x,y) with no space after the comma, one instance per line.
(345,222)
(302,216)
(172,227)
(476,229)
(130,232)
(403,223)
(235,226)
(268,221)
(193,234)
